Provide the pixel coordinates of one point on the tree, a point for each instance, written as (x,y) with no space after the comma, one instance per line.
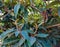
(29,23)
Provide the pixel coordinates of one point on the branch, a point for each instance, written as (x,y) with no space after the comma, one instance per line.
(53,25)
(17,26)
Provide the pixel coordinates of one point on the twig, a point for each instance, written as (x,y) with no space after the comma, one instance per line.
(36,28)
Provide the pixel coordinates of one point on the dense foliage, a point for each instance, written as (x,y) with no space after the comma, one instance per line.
(29,23)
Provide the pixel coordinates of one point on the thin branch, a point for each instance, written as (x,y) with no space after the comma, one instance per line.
(54,25)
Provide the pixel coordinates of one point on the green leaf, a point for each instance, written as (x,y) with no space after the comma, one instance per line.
(41,27)
(32,40)
(11,1)
(1,4)
(53,41)
(6,1)
(9,41)
(25,13)
(22,8)
(57,36)
(5,34)
(53,3)
(29,31)
(59,11)
(17,33)
(25,35)
(37,2)
(16,9)
(42,35)
(25,45)
(45,43)
(25,27)
(22,40)
(38,44)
